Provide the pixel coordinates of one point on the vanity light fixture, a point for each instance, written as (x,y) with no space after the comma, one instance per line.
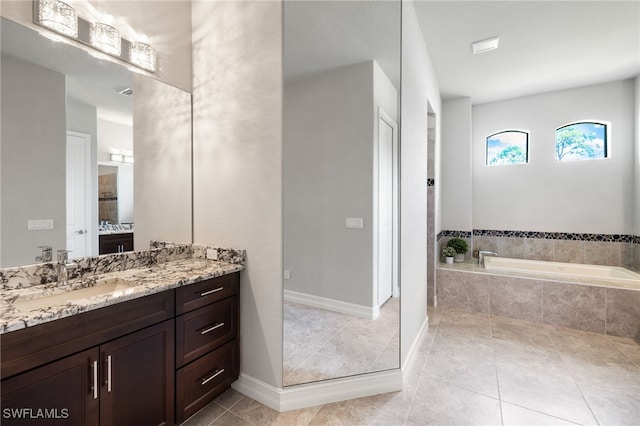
(143,55)
(105,38)
(118,158)
(485,45)
(57,16)
(62,19)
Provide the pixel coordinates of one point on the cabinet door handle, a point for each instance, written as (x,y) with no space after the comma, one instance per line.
(95,380)
(109,373)
(215,290)
(216,374)
(206,330)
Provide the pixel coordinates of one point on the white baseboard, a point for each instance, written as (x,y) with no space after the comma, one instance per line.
(407,365)
(362,311)
(324,392)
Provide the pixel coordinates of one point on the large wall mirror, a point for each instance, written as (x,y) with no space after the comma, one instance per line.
(68,171)
(340,155)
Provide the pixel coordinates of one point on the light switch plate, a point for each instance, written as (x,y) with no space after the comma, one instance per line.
(287,274)
(39,224)
(355,222)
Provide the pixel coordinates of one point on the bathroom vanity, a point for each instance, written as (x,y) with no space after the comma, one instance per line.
(154,359)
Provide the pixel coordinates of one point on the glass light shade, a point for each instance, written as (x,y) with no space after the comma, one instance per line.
(106,38)
(143,55)
(57,16)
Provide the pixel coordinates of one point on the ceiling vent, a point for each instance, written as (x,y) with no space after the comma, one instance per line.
(126,92)
(484,45)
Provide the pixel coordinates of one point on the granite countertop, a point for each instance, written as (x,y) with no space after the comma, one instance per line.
(147,280)
(116,231)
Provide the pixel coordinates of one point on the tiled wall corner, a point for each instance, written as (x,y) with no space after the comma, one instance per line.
(575,306)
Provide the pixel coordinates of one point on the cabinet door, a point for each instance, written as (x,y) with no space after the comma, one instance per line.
(63,392)
(138,378)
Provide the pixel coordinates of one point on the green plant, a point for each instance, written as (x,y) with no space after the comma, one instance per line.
(448,251)
(458,244)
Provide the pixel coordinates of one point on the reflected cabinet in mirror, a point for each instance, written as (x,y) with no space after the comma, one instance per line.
(340,155)
(70,125)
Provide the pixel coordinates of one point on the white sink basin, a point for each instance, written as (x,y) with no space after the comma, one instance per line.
(113,286)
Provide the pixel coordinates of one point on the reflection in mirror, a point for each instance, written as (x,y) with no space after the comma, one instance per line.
(341,97)
(67,144)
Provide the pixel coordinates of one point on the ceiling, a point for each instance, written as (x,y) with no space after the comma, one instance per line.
(544,45)
(323,35)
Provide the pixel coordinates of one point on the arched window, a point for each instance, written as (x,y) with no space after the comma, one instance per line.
(583,140)
(508,147)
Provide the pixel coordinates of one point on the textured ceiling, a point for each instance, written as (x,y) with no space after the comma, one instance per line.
(544,45)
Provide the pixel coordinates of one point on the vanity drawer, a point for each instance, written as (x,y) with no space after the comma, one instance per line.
(202,330)
(196,295)
(200,382)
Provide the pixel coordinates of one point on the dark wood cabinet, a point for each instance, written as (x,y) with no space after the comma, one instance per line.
(207,354)
(62,392)
(132,363)
(137,378)
(115,243)
(128,381)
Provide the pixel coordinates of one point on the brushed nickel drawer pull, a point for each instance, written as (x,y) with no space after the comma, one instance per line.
(109,373)
(95,380)
(215,290)
(205,331)
(216,374)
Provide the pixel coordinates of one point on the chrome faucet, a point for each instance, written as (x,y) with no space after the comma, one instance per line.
(47,254)
(63,266)
(483,253)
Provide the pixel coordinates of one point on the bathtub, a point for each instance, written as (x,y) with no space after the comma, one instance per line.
(609,276)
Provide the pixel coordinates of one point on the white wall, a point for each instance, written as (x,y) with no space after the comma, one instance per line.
(162,170)
(419,89)
(591,196)
(237,101)
(455,157)
(81,118)
(166,25)
(329,146)
(33,161)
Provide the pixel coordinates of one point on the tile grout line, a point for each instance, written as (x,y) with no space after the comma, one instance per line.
(495,362)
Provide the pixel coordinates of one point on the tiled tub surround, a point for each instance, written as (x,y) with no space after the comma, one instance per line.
(152,271)
(568,302)
(594,249)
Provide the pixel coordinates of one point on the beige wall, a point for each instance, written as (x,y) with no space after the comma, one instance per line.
(162,169)
(237,101)
(33,159)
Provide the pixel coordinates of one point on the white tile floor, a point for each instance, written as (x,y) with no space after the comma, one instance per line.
(476,369)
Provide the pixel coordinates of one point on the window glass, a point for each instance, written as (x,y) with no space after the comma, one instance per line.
(507,147)
(581,141)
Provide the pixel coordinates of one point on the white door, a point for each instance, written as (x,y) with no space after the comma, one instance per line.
(78,182)
(385,208)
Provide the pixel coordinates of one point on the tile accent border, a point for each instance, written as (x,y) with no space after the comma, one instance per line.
(613,238)
(431,182)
